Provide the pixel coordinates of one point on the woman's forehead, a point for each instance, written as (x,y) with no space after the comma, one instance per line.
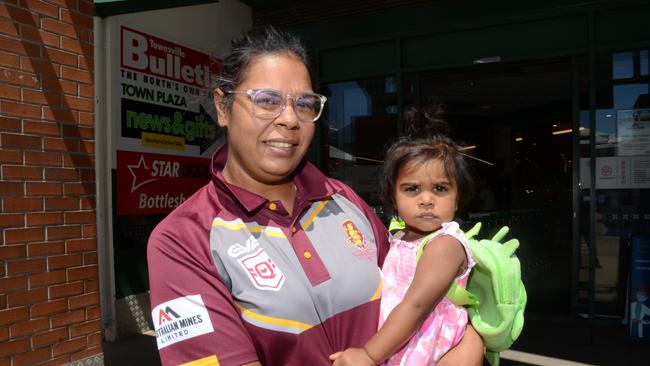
(278,71)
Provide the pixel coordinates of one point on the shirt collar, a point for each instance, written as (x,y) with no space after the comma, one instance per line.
(311,183)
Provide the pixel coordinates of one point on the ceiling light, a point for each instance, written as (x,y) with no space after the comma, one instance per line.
(561,132)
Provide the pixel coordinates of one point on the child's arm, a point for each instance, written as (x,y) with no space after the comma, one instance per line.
(441,262)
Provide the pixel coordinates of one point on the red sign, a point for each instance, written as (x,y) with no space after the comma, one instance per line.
(151,184)
(159,57)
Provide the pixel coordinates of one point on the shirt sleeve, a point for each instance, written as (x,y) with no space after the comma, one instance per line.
(193,313)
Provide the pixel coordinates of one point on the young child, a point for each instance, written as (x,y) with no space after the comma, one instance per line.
(426,179)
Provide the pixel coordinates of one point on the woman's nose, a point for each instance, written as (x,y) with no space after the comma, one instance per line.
(288,117)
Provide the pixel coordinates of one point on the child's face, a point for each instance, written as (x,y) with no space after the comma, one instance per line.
(425,197)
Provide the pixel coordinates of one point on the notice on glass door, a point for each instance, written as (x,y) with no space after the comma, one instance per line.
(633,132)
(617,172)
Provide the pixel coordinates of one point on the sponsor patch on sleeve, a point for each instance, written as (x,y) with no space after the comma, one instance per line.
(180,319)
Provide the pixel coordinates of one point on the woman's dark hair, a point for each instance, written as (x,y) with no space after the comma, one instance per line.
(426,141)
(260,41)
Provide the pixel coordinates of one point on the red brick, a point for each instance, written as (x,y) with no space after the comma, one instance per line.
(79,189)
(44,218)
(21,204)
(80,245)
(46,248)
(10,124)
(11,156)
(8,59)
(79,46)
(20,109)
(8,27)
(14,315)
(89,231)
(14,347)
(58,85)
(83,301)
(70,317)
(85,328)
(59,56)
(73,74)
(79,217)
(36,35)
(11,220)
(60,114)
(86,7)
(91,285)
(43,189)
(46,278)
(32,357)
(4,334)
(86,90)
(79,161)
(94,339)
(82,104)
(87,146)
(29,327)
(11,189)
(49,337)
(40,7)
(57,203)
(26,266)
(42,97)
(90,258)
(17,77)
(93,312)
(56,26)
(87,203)
(80,273)
(57,144)
(89,352)
(88,175)
(49,308)
(11,252)
(20,141)
(63,232)
(66,290)
(78,131)
(86,119)
(61,174)
(40,67)
(18,14)
(75,18)
(41,128)
(64,261)
(13,283)
(43,158)
(21,173)
(60,361)
(22,235)
(27,297)
(19,47)
(9,92)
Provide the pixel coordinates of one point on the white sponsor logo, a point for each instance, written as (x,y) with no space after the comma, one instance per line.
(237,249)
(180,319)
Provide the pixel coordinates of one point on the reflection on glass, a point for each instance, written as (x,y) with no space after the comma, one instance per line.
(643,62)
(622,65)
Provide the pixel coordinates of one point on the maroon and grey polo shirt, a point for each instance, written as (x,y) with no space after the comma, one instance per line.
(235,278)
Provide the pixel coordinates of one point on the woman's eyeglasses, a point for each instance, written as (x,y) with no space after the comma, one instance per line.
(269,103)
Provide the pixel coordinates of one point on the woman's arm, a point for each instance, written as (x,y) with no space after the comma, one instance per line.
(439,265)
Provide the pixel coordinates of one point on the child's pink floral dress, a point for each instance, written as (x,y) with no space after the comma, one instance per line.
(445,326)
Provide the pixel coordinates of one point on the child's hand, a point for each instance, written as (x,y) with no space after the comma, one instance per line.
(352,357)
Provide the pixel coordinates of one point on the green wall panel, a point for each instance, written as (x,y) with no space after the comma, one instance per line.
(507,41)
(370,58)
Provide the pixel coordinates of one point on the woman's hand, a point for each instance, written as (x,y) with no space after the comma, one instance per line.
(469,351)
(352,357)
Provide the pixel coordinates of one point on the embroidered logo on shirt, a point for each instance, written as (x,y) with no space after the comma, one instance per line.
(180,319)
(262,271)
(353,236)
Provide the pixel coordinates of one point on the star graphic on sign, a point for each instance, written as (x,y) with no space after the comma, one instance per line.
(139,172)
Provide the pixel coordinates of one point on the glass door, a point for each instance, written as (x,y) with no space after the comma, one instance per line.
(515,121)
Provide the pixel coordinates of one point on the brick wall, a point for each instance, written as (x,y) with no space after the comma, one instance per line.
(49,300)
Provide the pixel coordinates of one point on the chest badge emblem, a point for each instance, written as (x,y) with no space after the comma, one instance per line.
(353,236)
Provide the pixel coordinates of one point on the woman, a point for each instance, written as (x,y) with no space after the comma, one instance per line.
(271,262)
